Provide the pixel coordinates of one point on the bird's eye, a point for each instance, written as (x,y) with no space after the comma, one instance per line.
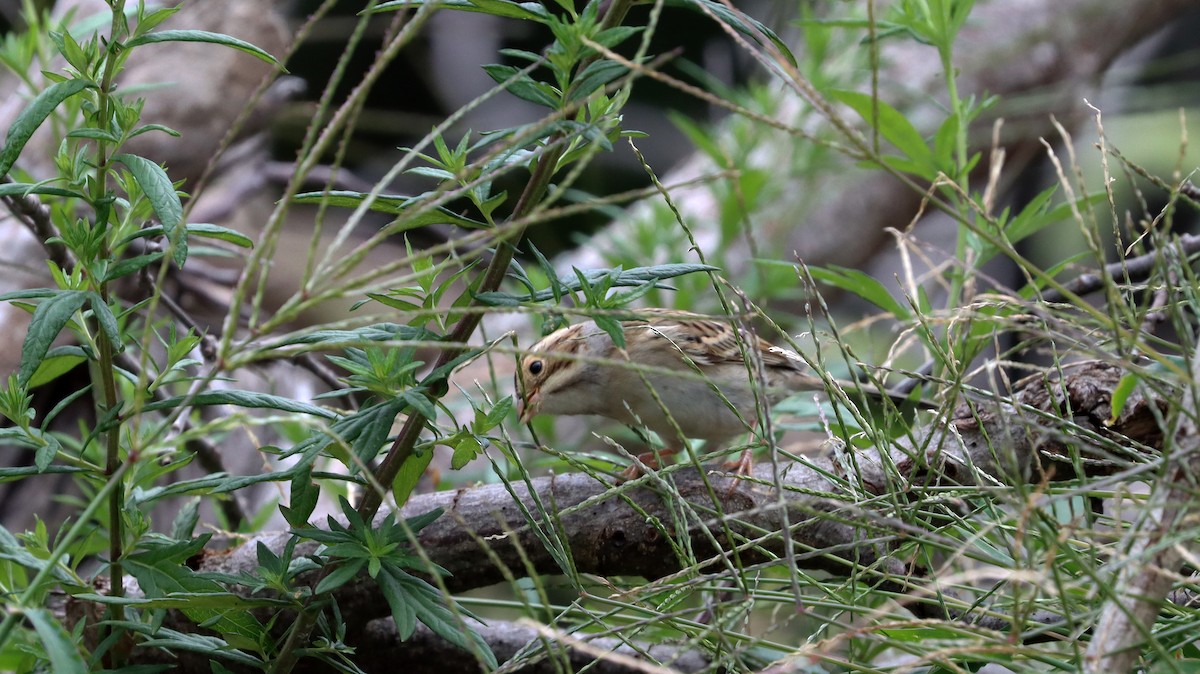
(536,367)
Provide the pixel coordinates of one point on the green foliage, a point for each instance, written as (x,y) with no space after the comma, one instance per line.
(408,319)
(384,551)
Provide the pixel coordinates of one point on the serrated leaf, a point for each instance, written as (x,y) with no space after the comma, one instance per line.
(161,574)
(157,187)
(465,451)
(32,117)
(202,36)
(49,319)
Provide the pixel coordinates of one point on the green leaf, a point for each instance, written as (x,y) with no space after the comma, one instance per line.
(497,414)
(147,128)
(24,189)
(628,277)
(161,574)
(863,285)
(209,231)
(157,187)
(202,36)
(213,647)
(130,265)
(403,612)
(59,644)
(344,573)
(1037,215)
(614,36)
(49,319)
(106,320)
(186,519)
(23,472)
(199,229)
(31,294)
(523,86)
(895,128)
(1120,395)
(393,204)
(594,76)
(419,402)
(530,11)
(303,501)
(58,361)
(248,399)
(46,453)
(944,142)
(465,451)
(32,117)
(409,474)
(408,595)
(12,550)
(95,134)
(378,332)
(750,27)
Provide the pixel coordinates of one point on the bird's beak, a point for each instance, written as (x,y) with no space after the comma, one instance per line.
(527,407)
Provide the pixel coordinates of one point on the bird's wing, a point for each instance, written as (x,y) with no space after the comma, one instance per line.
(708,341)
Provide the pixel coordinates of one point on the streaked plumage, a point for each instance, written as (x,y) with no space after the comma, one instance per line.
(685,358)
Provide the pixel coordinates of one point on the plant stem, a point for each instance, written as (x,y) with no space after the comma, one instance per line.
(105,348)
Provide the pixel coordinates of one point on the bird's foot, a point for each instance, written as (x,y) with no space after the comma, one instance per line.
(648,459)
(743,466)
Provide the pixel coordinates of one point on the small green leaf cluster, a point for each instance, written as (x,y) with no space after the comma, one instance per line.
(384,551)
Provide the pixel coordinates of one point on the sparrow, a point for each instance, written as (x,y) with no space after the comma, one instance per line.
(689,365)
